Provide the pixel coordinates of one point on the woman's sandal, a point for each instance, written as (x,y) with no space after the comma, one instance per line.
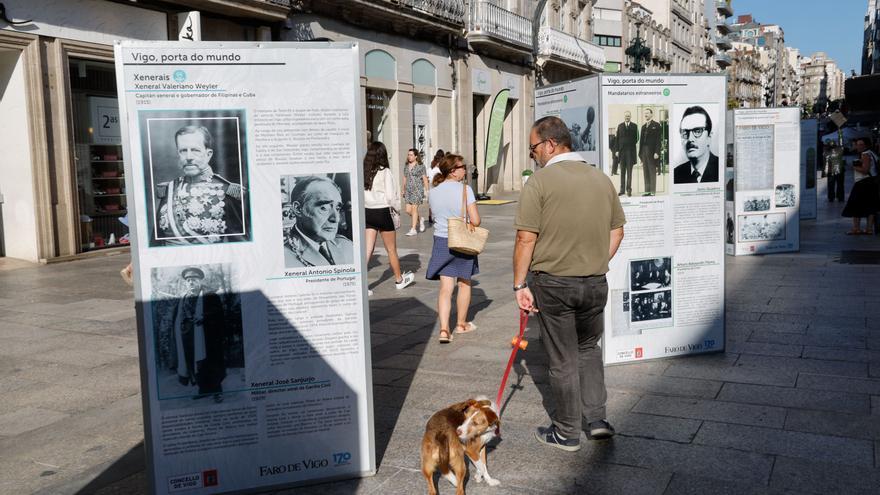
(466,328)
(445,336)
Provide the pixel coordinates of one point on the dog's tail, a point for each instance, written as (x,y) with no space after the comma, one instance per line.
(443,451)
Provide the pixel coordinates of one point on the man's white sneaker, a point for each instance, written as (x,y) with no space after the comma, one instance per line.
(405,280)
(411,232)
(421,225)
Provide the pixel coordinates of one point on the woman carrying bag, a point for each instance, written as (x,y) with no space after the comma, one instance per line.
(450,267)
(381,200)
(863,199)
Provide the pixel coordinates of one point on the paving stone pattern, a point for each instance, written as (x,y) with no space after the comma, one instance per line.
(792,406)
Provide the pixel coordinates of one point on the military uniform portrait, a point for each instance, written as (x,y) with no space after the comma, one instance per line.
(316,220)
(198,335)
(196,175)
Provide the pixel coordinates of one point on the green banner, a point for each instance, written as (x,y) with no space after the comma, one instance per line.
(496,126)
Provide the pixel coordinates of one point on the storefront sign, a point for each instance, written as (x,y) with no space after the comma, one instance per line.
(512,83)
(104,114)
(253,331)
(481,81)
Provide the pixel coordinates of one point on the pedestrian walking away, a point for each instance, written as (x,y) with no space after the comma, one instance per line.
(450,267)
(415,189)
(835,171)
(569,225)
(432,172)
(381,200)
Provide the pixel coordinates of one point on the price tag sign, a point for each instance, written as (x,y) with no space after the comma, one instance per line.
(104,127)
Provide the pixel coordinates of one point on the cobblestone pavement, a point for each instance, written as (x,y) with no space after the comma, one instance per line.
(793,405)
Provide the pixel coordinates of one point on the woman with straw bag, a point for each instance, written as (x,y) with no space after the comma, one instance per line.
(452,199)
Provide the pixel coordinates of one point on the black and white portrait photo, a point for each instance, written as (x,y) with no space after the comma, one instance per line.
(649,306)
(650,274)
(195,173)
(785,196)
(728,186)
(730,228)
(640,148)
(582,126)
(756,203)
(197,325)
(316,220)
(696,151)
(761,227)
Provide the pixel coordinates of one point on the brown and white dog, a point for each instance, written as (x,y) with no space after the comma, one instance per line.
(462,429)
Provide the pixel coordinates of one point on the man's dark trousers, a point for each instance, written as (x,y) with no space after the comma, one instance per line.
(835,187)
(572,321)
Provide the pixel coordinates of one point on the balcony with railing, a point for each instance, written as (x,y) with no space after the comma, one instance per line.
(557,46)
(723,60)
(723,42)
(426,18)
(682,12)
(498,29)
(724,8)
(450,10)
(268,10)
(722,27)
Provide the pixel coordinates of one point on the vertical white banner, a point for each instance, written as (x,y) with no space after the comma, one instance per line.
(245,191)
(577,104)
(768,173)
(810,159)
(660,138)
(666,137)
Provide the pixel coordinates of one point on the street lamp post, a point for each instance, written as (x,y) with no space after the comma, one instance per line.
(637,51)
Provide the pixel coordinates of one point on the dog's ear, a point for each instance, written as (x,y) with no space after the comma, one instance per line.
(493,418)
(463,406)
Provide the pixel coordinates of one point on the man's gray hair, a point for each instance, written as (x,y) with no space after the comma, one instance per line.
(196,129)
(302,184)
(553,128)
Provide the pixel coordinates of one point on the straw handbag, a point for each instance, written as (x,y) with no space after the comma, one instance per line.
(465,238)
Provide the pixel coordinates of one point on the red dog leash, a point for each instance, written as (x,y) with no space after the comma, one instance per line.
(518,343)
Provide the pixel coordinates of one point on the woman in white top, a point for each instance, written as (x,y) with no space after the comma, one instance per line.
(381,196)
(432,172)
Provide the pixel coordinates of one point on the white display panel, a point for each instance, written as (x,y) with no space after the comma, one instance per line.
(809,160)
(245,190)
(666,283)
(577,104)
(767,180)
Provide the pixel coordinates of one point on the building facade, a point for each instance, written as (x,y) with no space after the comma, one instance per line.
(744,88)
(871,41)
(430,71)
(63,194)
(640,22)
(823,81)
(687,24)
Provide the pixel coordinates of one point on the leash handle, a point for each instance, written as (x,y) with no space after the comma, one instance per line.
(523,321)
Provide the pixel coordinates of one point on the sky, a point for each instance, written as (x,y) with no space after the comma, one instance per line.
(835,28)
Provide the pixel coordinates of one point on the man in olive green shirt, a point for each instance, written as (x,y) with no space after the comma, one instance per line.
(569,225)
